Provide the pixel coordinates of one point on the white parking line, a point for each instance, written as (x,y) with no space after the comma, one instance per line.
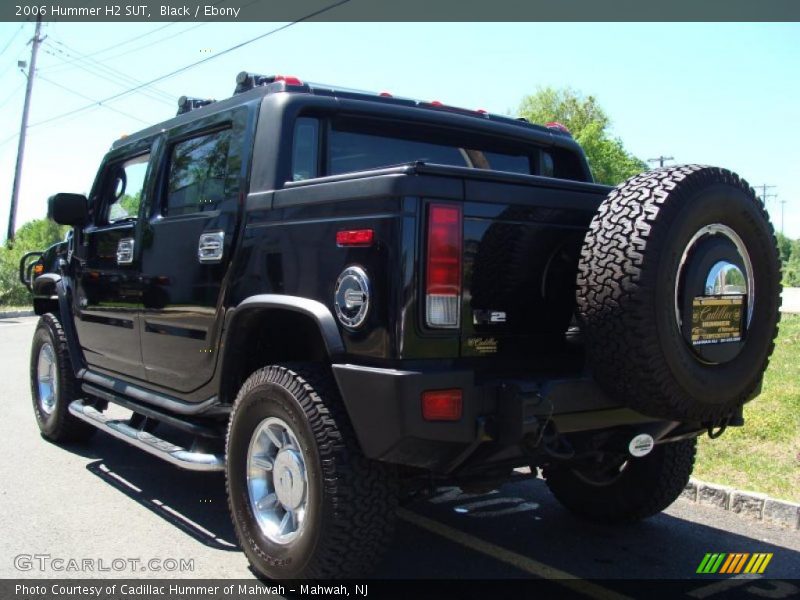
(514,559)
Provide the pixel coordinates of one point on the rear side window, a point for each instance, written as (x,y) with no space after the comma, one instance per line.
(198,171)
(305,154)
(351,151)
(353,144)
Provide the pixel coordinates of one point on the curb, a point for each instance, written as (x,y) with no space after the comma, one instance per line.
(752,505)
(16,313)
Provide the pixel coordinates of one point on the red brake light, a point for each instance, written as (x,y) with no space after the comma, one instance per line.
(385,94)
(482,111)
(355,237)
(288,79)
(436,103)
(443,269)
(442,405)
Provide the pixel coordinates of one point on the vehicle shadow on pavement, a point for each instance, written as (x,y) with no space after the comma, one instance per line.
(193,502)
(519,529)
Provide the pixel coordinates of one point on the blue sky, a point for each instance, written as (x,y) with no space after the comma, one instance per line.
(722,94)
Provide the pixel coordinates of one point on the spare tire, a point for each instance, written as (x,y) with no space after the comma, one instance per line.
(678,293)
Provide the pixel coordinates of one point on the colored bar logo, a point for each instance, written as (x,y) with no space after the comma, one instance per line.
(734,563)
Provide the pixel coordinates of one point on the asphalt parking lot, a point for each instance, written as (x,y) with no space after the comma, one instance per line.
(108,500)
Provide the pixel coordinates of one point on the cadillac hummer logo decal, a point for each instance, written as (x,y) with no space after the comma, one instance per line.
(717,319)
(351,297)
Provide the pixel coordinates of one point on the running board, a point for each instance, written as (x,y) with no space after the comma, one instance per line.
(181,457)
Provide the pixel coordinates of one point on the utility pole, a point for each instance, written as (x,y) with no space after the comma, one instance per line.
(12,215)
(783,206)
(660,160)
(764,195)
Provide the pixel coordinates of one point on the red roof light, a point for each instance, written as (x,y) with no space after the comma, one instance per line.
(288,79)
(558,127)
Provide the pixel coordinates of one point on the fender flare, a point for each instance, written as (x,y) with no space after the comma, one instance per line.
(68,324)
(317,311)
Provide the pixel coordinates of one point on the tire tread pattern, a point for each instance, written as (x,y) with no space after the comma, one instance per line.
(362,493)
(616,290)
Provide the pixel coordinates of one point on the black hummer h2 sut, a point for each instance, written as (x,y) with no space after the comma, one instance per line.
(342,299)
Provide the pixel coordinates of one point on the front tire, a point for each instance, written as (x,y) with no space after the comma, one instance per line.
(53,384)
(304,501)
(642,488)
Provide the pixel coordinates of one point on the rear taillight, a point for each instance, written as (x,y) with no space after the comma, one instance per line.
(443,268)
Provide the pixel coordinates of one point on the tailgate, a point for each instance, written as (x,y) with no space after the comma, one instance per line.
(521,244)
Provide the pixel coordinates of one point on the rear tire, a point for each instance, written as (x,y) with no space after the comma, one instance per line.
(341,515)
(644,487)
(53,384)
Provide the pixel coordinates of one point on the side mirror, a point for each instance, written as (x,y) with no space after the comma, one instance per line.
(68,209)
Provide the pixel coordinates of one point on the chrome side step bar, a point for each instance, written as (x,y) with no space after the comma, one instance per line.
(181,457)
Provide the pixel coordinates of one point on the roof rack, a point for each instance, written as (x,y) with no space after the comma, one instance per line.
(187,104)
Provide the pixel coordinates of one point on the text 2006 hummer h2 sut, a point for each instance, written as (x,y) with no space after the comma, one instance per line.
(343,299)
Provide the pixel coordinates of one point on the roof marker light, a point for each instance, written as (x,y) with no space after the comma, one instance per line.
(558,127)
(288,79)
(436,103)
(385,94)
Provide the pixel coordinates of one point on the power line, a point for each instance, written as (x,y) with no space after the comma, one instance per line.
(13,37)
(85,97)
(194,64)
(8,139)
(103,68)
(11,95)
(140,37)
(132,39)
(111,75)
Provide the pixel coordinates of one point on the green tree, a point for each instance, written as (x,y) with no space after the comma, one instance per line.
(784,246)
(34,235)
(590,126)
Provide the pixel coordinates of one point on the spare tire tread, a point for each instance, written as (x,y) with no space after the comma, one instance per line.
(614,296)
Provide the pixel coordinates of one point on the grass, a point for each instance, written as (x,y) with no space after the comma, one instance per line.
(764,455)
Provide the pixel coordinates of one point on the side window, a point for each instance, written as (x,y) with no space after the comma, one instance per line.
(125,188)
(305,152)
(198,172)
(547,166)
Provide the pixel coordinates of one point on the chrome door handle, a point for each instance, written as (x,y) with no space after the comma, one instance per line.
(211,247)
(125,251)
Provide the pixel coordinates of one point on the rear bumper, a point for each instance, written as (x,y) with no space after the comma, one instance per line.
(384,406)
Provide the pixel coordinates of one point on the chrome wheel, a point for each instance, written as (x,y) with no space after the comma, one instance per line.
(715,294)
(724,278)
(277,480)
(47,378)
